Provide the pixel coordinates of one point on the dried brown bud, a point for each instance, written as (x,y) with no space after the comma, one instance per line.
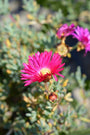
(52,96)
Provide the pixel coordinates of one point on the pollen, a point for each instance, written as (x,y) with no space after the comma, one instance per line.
(45,71)
(62,50)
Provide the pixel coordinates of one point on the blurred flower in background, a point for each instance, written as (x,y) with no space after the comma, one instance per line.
(83,36)
(65,30)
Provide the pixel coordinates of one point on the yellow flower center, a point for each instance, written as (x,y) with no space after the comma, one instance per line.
(80,46)
(45,71)
(62,50)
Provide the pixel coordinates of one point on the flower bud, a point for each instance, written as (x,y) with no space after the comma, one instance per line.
(52,96)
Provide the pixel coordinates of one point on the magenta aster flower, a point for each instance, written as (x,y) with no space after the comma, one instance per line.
(41,67)
(83,35)
(65,30)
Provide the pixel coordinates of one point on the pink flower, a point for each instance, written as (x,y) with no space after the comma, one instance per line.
(41,67)
(83,35)
(65,30)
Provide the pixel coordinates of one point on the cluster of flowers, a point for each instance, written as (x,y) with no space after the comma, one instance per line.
(42,66)
(81,34)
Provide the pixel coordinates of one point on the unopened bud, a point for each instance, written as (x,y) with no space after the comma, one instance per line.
(52,96)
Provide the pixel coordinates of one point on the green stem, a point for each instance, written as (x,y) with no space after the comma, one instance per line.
(74,47)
